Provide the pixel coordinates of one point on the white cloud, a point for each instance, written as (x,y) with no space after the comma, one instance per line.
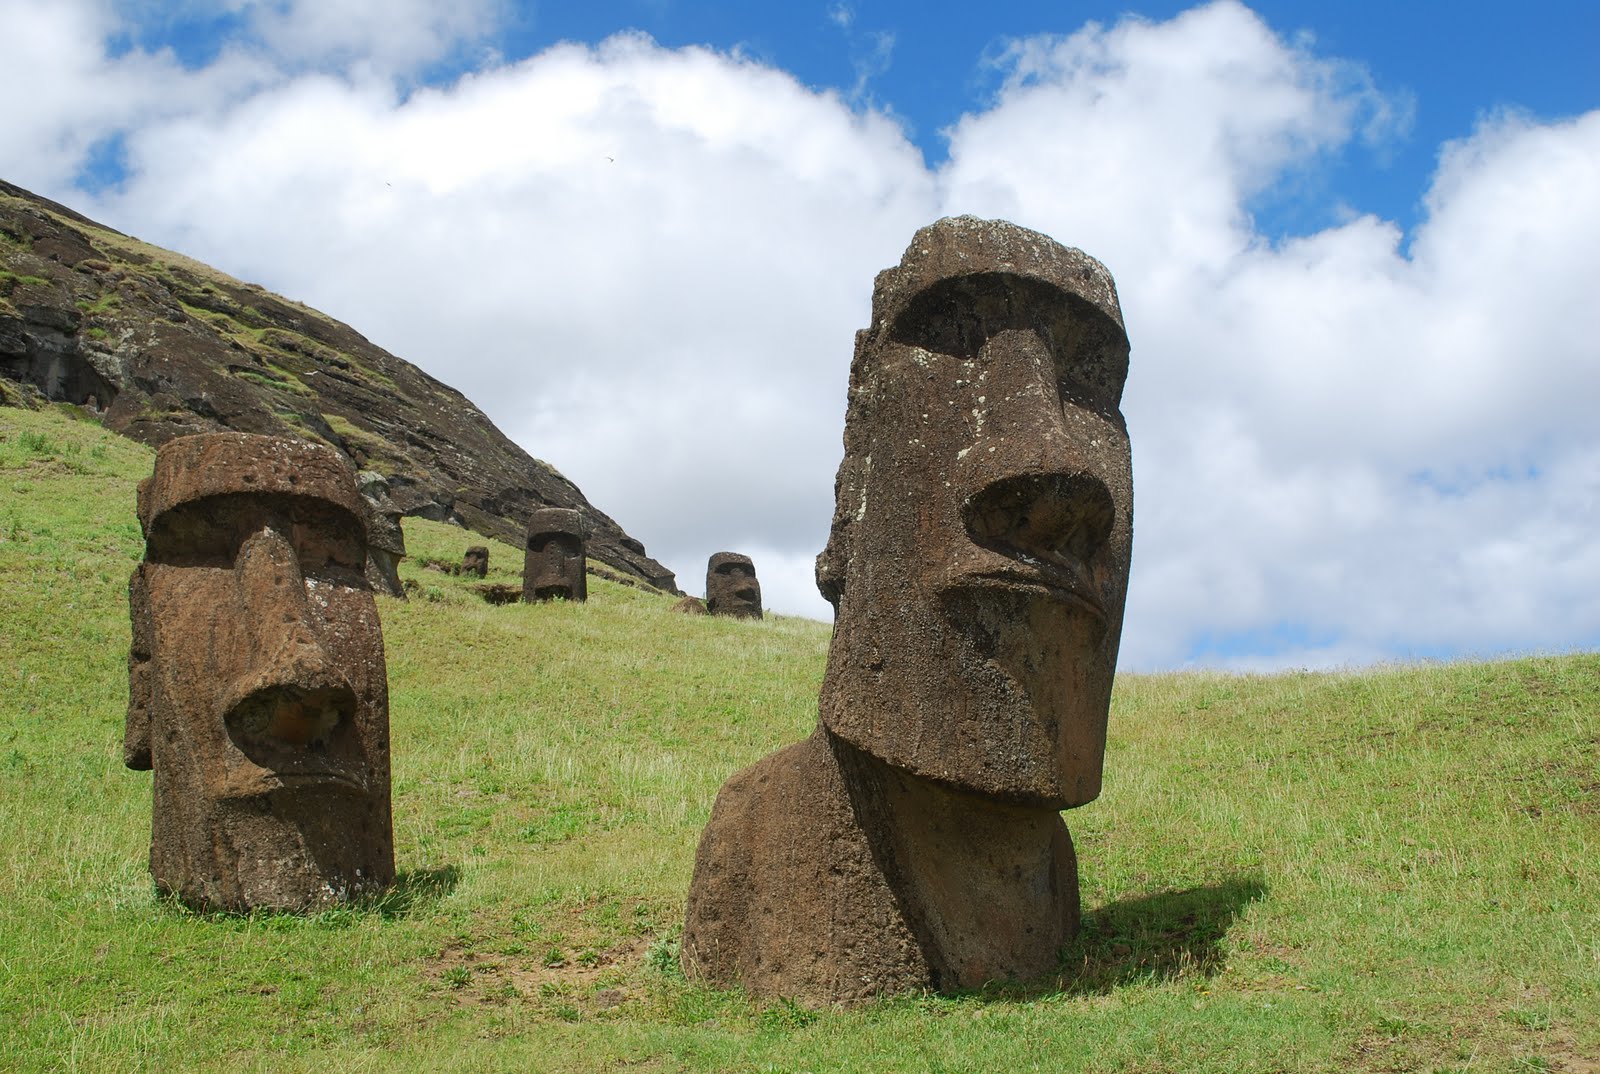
(647,266)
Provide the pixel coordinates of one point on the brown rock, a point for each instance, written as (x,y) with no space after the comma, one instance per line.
(978,563)
(475,561)
(690,606)
(731,586)
(257,687)
(553,565)
(386,542)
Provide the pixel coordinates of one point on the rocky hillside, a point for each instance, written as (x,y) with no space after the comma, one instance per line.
(158,345)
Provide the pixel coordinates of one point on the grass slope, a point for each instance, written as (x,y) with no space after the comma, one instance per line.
(1391,870)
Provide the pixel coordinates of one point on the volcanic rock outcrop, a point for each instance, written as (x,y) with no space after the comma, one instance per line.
(257,688)
(978,563)
(166,346)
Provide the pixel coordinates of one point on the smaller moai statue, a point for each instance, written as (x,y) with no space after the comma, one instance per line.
(257,691)
(476,561)
(731,586)
(386,542)
(553,567)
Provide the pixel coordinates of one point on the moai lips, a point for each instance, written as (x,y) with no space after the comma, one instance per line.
(553,567)
(731,586)
(258,691)
(978,564)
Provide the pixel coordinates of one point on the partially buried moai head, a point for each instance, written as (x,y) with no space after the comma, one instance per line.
(258,692)
(476,561)
(553,567)
(978,560)
(731,586)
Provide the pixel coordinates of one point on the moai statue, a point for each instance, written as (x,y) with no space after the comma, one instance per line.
(553,566)
(731,586)
(977,565)
(386,542)
(476,561)
(257,688)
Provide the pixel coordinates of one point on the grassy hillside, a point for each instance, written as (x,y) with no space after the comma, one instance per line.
(1385,871)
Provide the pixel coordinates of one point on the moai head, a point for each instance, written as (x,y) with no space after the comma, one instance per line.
(731,586)
(553,566)
(257,687)
(978,559)
(386,542)
(476,561)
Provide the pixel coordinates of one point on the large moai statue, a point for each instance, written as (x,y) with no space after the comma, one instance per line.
(978,563)
(257,687)
(386,542)
(731,586)
(475,561)
(553,566)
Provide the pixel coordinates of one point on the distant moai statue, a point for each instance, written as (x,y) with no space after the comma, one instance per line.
(553,566)
(386,541)
(731,586)
(257,687)
(476,561)
(978,564)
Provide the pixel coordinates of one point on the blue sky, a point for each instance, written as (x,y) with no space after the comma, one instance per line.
(1355,245)
(929,63)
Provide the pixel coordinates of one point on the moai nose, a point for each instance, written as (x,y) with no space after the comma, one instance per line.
(1061,519)
(291,693)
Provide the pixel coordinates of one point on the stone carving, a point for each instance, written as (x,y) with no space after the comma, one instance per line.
(257,687)
(476,561)
(731,586)
(386,542)
(977,563)
(554,566)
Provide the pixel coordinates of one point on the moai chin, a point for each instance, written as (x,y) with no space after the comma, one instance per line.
(731,586)
(257,687)
(386,541)
(977,564)
(553,566)
(475,561)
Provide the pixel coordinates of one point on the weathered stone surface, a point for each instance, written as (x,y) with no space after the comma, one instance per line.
(978,564)
(731,586)
(553,566)
(257,687)
(386,542)
(171,347)
(475,561)
(690,606)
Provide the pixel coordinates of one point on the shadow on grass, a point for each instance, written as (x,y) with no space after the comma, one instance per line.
(1152,938)
(412,890)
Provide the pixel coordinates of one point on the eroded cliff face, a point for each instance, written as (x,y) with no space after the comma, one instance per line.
(161,346)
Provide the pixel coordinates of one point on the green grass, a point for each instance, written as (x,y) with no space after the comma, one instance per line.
(1380,871)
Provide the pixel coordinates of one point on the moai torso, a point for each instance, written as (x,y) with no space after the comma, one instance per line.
(978,563)
(258,693)
(553,567)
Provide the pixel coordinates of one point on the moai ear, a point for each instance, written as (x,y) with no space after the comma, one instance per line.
(136,732)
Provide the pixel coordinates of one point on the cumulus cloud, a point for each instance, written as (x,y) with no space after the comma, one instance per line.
(647,264)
